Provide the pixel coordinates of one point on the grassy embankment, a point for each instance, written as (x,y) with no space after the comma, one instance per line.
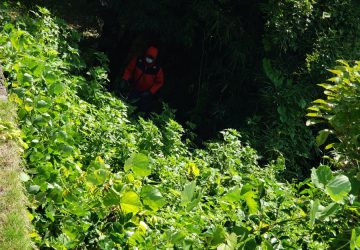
(14,223)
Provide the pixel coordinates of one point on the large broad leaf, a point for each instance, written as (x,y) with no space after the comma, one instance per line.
(230,244)
(188,193)
(130,202)
(195,201)
(97,177)
(78,209)
(355,239)
(57,88)
(152,197)
(320,212)
(189,197)
(233,195)
(50,77)
(112,197)
(338,188)
(251,203)
(139,164)
(321,176)
(42,106)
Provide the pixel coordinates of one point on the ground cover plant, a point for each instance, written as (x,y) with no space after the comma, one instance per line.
(98,178)
(14,224)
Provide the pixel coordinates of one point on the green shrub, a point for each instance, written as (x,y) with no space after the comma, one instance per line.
(100,180)
(341,112)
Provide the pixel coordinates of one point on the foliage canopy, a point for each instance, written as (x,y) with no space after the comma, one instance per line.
(98,179)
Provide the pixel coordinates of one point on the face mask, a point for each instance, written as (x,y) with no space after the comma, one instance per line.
(149,60)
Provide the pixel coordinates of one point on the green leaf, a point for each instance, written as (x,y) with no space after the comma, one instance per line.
(190,198)
(251,203)
(42,106)
(313,211)
(231,241)
(28,78)
(98,177)
(218,236)
(320,101)
(195,201)
(130,202)
(322,136)
(69,227)
(138,164)
(321,176)
(266,245)
(77,208)
(355,239)
(50,77)
(50,213)
(112,197)
(314,108)
(57,88)
(313,122)
(233,195)
(152,197)
(328,211)
(314,115)
(338,188)
(34,188)
(326,86)
(188,193)
(329,146)
(336,72)
(178,237)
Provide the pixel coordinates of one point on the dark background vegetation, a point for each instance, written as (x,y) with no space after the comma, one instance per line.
(249,65)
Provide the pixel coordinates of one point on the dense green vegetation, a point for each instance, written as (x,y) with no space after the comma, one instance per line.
(252,65)
(100,178)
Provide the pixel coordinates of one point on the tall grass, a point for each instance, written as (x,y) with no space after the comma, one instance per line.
(14,223)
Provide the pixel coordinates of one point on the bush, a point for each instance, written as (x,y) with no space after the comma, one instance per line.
(341,112)
(97,179)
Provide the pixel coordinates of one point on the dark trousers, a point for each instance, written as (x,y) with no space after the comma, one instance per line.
(144,101)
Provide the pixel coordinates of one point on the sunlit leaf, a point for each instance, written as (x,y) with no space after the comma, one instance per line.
(112,197)
(139,164)
(321,176)
(130,202)
(251,203)
(152,197)
(233,195)
(355,239)
(57,88)
(338,188)
(188,193)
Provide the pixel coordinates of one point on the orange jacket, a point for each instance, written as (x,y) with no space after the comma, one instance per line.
(144,76)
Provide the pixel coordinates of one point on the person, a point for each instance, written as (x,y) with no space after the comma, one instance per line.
(144,77)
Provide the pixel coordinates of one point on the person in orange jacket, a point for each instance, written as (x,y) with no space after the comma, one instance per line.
(144,77)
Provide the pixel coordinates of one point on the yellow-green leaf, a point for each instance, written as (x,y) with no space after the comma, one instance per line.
(130,202)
